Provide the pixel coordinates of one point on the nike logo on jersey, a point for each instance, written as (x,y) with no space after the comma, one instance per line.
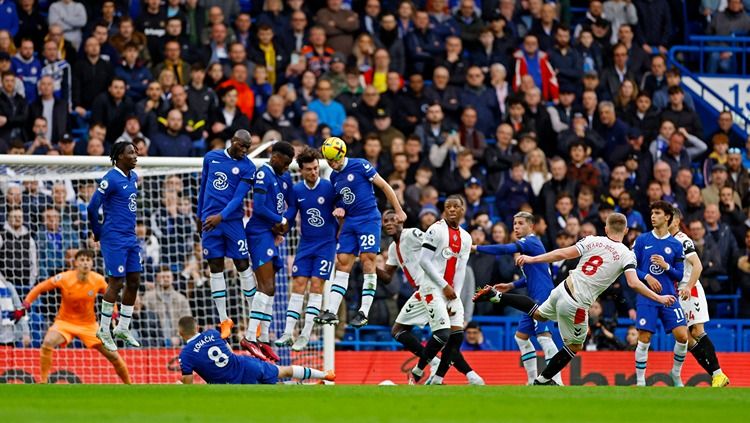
(215,161)
(648,247)
(301,199)
(124,187)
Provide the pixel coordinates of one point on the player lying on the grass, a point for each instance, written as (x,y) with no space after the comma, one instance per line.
(537,278)
(209,356)
(660,255)
(693,303)
(270,194)
(353,181)
(117,195)
(76,317)
(314,198)
(603,260)
(226,179)
(443,258)
(404,252)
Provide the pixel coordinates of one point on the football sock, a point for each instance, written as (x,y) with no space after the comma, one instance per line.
(449,352)
(550,349)
(368,292)
(705,355)
(519,302)
(45,362)
(293,312)
(248,286)
(126,315)
(558,362)
(434,345)
(410,342)
(257,314)
(314,303)
(528,358)
(120,368)
(339,286)
(219,294)
(299,372)
(106,315)
(641,359)
(265,325)
(680,350)
(459,362)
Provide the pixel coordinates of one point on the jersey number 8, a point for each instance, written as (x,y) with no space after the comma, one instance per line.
(216,355)
(592,265)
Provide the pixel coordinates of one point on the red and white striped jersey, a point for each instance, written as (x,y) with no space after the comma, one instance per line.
(451,248)
(405,254)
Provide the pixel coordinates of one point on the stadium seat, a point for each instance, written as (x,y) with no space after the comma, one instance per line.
(495,335)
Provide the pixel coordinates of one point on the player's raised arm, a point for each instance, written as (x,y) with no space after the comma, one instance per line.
(633,282)
(38,290)
(566,253)
(381,183)
(499,249)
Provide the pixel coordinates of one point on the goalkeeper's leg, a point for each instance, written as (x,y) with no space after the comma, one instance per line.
(52,340)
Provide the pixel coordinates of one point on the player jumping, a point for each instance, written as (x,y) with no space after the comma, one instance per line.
(538,280)
(76,317)
(660,255)
(404,252)
(272,185)
(443,258)
(314,198)
(603,259)
(117,195)
(207,354)
(226,179)
(693,303)
(353,181)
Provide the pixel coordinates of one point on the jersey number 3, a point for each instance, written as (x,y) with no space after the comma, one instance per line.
(592,265)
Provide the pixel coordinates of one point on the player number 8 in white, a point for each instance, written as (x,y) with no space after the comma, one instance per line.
(216,355)
(367,240)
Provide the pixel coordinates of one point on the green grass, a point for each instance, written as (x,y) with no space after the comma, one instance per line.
(260,404)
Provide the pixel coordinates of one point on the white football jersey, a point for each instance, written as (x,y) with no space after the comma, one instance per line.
(405,254)
(451,249)
(689,249)
(602,262)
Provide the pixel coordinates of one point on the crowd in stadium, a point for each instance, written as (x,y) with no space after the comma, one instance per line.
(516,104)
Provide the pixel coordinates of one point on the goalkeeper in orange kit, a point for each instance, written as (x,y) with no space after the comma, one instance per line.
(76,317)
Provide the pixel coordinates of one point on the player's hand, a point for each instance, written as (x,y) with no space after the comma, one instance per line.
(522,259)
(473,248)
(667,300)
(449,292)
(659,261)
(401,216)
(278,240)
(338,212)
(684,294)
(632,314)
(26,305)
(211,222)
(503,287)
(18,314)
(653,283)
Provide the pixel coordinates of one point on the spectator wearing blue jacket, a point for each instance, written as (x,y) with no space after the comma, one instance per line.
(423,45)
(483,99)
(135,75)
(474,339)
(330,112)
(654,25)
(28,68)
(625,205)
(9,17)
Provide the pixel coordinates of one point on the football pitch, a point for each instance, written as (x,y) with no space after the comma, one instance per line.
(354,404)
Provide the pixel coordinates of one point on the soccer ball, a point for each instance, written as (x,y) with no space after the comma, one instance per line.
(334,149)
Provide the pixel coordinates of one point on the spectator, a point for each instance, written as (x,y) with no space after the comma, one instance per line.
(638,59)
(174,62)
(743,264)
(615,75)
(112,108)
(619,12)
(644,116)
(270,53)
(581,170)
(722,246)
(245,95)
(661,97)
(534,62)
(422,45)
(135,75)
(317,55)
(171,142)
(654,25)
(330,112)
(385,132)
(681,115)
(474,340)
(108,52)
(444,94)
(612,129)
(655,80)
(566,60)
(18,250)
(71,16)
(52,241)
(725,123)
(91,76)
(13,111)
(719,179)
(731,213)
(31,23)
(168,304)
(127,34)
(590,51)
(340,25)
(27,68)
(513,194)
(601,335)
(482,98)
(733,20)
(625,204)
(739,178)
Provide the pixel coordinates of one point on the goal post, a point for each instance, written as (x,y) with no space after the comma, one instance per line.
(52,193)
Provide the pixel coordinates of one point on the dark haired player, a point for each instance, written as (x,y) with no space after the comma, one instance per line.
(117,195)
(226,179)
(270,194)
(314,198)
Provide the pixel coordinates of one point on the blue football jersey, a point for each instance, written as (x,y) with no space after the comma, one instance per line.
(353,185)
(117,195)
(220,179)
(315,205)
(210,356)
(276,190)
(648,244)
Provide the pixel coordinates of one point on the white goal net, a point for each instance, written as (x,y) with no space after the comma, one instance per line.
(43,203)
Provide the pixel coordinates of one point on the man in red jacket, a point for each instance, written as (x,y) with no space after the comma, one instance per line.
(531,61)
